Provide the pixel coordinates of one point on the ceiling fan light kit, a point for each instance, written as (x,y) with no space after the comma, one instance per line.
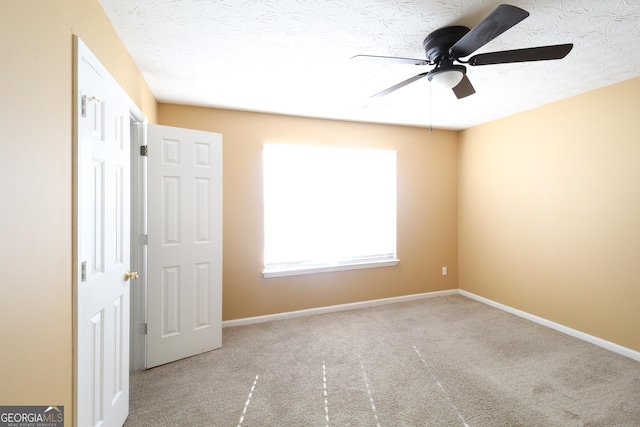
(447,78)
(445,46)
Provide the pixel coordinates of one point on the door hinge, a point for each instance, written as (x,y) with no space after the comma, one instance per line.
(144,150)
(144,239)
(143,328)
(83,272)
(86,98)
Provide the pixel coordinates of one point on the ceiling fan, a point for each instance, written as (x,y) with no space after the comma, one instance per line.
(448,45)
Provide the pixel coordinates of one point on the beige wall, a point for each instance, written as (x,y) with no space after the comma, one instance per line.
(36,188)
(549,212)
(427,206)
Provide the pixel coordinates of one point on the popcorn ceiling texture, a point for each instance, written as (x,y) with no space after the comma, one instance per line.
(292,56)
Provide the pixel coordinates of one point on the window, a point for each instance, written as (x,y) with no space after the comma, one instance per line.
(328,209)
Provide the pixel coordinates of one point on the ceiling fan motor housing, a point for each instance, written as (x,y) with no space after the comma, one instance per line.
(438,43)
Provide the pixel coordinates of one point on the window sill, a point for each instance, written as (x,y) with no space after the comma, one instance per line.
(295,271)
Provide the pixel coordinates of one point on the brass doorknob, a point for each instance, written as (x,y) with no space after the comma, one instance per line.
(130,275)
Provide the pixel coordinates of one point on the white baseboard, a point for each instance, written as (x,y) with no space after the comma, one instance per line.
(558,327)
(334,308)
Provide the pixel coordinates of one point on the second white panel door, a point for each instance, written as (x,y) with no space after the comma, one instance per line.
(184,287)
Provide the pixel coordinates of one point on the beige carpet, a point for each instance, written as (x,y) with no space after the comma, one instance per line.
(445,361)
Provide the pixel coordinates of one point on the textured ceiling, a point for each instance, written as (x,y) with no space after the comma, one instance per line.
(293,56)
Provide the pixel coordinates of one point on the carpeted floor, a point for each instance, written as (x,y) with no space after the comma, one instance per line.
(445,361)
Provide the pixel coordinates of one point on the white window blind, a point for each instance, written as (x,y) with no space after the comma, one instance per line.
(328,208)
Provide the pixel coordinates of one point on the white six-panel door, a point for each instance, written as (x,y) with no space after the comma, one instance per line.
(102,161)
(184,288)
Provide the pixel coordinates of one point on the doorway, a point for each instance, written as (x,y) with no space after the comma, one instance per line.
(176,243)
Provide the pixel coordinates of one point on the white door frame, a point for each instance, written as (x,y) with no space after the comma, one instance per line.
(137,335)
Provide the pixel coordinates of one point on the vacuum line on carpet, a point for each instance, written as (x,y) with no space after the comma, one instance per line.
(246,405)
(444,391)
(326,395)
(366,382)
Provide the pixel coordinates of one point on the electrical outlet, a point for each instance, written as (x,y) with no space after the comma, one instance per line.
(444,271)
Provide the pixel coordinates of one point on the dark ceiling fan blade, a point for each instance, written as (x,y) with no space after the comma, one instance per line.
(540,53)
(464,88)
(500,20)
(390,59)
(399,85)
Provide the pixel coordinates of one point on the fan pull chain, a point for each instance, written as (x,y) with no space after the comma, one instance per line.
(430,110)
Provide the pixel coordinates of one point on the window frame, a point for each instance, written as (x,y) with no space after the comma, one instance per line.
(355,262)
